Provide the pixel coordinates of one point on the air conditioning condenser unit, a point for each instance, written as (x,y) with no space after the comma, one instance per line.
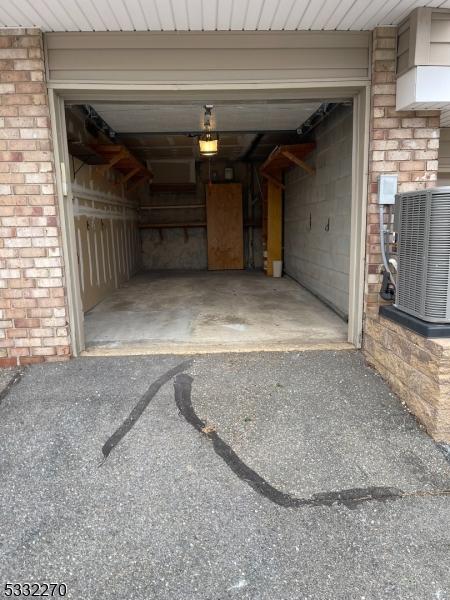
(422,223)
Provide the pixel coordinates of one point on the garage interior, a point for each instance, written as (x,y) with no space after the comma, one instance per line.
(185,213)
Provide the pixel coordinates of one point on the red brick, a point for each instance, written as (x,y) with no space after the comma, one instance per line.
(31,360)
(8,362)
(27,323)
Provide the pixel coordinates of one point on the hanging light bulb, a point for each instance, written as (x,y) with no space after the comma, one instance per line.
(208,142)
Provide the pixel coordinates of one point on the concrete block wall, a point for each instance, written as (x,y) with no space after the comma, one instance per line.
(174,248)
(186,248)
(317,250)
(33,315)
(405,143)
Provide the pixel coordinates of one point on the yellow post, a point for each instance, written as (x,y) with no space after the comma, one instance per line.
(274,225)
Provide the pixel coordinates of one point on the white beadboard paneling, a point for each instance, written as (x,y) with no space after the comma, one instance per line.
(267,15)
(322,15)
(136,14)
(106,16)
(165,13)
(208,15)
(352,14)
(151,15)
(194,16)
(282,13)
(8,20)
(293,19)
(92,13)
(24,15)
(253,13)
(209,10)
(311,12)
(54,22)
(337,14)
(123,15)
(224,14)
(239,14)
(76,14)
(369,15)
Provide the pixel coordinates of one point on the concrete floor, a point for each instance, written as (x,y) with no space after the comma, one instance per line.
(211,311)
(170,516)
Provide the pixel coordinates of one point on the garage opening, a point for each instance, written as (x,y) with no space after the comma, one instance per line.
(244,247)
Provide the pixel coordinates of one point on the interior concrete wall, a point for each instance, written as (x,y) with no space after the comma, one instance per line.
(174,249)
(185,248)
(317,214)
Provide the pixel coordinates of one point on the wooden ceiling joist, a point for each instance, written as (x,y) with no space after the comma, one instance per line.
(119,158)
(282,158)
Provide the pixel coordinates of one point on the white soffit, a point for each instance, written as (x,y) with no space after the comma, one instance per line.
(207,15)
(254,116)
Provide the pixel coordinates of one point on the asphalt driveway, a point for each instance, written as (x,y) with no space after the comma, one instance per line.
(263,476)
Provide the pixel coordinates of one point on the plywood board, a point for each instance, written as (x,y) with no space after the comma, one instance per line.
(224,226)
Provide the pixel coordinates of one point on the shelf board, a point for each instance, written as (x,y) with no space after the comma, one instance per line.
(119,158)
(284,157)
(170,225)
(171,206)
(173,188)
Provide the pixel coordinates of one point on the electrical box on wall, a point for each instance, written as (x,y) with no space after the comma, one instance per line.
(387,188)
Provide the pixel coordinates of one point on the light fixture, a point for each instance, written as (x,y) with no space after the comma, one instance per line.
(208,142)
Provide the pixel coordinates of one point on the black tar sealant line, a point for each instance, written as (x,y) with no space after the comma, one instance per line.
(349,498)
(11,383)
(137,411)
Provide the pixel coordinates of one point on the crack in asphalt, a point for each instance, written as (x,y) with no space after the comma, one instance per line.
(137,411)
(350,498)
(17,376)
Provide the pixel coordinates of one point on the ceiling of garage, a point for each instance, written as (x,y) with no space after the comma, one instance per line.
(207,15)
(161,131)
(242,117)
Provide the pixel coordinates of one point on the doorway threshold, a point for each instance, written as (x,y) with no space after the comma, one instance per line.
(148,349)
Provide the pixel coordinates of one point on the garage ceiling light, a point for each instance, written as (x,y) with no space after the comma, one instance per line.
(208,142)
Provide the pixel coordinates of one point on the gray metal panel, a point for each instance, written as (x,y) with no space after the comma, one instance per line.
(197,56)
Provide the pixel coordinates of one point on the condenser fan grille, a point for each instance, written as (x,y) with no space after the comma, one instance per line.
(424,254)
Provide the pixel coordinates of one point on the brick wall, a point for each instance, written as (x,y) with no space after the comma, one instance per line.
(402,143)
(406,144)
(33,317)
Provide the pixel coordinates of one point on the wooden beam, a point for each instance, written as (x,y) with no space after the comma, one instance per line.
(171,206)
(169,225)
(117,158)
(274,180)
(298,162)
(131,174)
